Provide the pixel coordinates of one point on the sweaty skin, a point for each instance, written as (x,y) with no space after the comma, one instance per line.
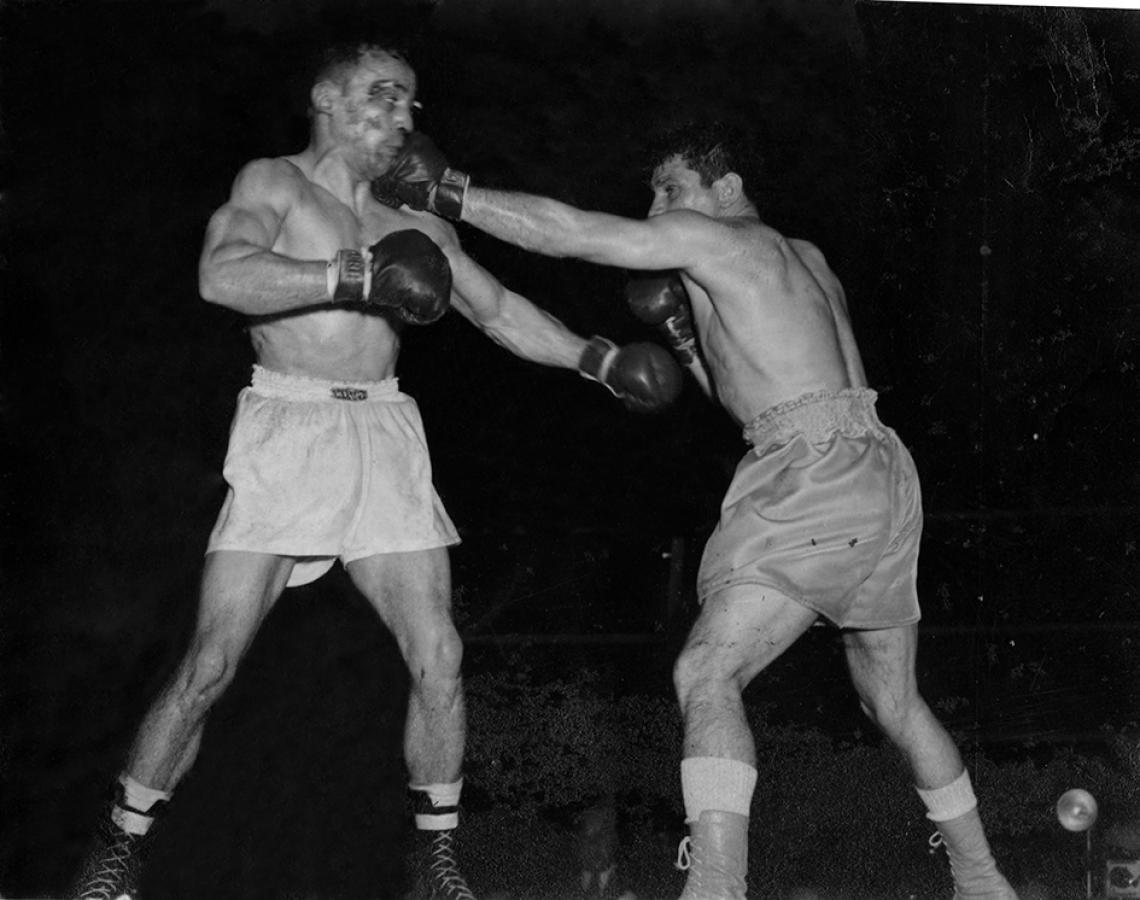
(772,322)
(267,249)
(265,255)
(770,315)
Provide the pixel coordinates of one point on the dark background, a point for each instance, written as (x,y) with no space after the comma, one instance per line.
(970,172)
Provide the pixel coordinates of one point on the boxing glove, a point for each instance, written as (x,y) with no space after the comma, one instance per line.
(420,177)
(411,277)
(661,302)
(643,376)
(405,272)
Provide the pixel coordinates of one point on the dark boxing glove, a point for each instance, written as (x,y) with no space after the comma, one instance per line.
(410,276)
(404,272)
(643,376)
(661,302)
(420,177)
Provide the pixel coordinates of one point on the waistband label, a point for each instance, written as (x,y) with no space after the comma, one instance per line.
(348,393)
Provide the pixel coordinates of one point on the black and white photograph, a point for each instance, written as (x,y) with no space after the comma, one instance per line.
(569,450)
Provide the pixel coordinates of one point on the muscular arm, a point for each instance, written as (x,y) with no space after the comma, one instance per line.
(509,319)
(238,268)
(676,240)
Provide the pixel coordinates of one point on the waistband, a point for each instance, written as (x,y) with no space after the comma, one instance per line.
(301,387)
(816,416)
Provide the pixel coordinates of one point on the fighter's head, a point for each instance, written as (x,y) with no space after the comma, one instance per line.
(699,167)
(361,101)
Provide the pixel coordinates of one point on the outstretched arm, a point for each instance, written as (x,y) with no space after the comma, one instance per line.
(509,319)
(422,179)
(677,240)
(643,376)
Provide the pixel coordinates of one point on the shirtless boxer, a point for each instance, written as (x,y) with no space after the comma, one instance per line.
(823,516)
(327,458)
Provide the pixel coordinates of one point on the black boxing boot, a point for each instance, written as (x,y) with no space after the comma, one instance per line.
(113,867)
(436,860)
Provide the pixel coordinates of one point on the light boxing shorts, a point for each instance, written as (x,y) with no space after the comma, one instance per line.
(825,509)
(323,470)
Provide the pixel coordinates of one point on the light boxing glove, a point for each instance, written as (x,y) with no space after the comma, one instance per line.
(661,302)
(643,376)
(405,273)
(420,177)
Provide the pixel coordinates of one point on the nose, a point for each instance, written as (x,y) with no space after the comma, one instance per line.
(402,119)
(656,208)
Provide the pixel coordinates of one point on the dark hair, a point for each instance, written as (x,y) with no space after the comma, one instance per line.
(711,149)
(334,61)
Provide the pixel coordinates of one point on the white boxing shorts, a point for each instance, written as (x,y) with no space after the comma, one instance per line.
(324,470)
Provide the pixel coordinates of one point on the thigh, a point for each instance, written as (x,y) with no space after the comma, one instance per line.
(743,629)
(410,591)
(238,589)
(881,663)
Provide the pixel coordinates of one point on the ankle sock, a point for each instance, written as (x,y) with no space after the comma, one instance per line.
(441,812)
(712,782)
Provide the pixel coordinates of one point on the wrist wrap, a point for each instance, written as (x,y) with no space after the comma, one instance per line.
(346,277)
(449,194)
(678,331)
(597,358)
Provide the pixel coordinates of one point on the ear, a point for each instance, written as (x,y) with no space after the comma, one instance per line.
(729,188)
(323,96)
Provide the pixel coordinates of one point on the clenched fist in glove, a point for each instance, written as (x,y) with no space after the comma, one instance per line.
(643,376)
(404,272)
(661,301)
(420,177)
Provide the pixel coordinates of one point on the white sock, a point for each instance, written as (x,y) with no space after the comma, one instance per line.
(949,801)
(132,814)
(445,799)
(712,782)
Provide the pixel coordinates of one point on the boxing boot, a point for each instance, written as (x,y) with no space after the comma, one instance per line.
(113,866)
(972,865)
(715,855)
(437,872)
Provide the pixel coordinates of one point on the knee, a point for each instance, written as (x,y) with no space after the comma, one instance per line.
(696,667)
(890,711)
(436,655)
(206,672)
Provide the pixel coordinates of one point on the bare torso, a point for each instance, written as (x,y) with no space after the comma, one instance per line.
(336,343)
(772,321)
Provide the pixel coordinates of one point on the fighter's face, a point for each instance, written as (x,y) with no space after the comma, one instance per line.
(676,186)
(377,110)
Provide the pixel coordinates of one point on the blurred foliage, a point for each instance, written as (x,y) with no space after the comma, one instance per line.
(541,748)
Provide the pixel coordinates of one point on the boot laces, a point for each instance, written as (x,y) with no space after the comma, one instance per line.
(689,860)
(444,867)
(113,873)
(684,854)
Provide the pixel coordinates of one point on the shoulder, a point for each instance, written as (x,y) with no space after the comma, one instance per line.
(269,179)
(806,250)
(816,263)
(693,235)
(812,257)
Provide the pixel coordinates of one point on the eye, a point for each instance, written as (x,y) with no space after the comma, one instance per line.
(391,100)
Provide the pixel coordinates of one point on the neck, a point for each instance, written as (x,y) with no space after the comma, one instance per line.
(328,168)
(743,209)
